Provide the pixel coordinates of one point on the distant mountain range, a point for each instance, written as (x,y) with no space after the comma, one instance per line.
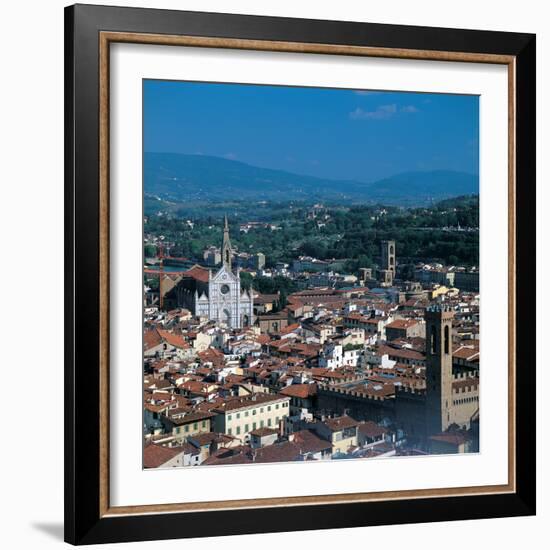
(179,178)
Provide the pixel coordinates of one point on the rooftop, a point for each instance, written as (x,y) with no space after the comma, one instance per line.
(340,423)
(254,400)
(155,456)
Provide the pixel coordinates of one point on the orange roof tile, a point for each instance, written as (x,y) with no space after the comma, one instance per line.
(302,391)
(198,273)
(175,340)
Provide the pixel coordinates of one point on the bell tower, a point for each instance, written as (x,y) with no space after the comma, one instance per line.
(227,251)
(388,256)
(439,368)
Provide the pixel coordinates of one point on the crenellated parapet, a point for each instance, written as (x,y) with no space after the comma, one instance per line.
(366,394)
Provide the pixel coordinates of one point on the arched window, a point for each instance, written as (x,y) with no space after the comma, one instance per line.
(446,337)
(433,338)
(227,256)
(391,249)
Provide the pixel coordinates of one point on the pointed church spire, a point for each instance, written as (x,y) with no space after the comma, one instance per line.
(227,251)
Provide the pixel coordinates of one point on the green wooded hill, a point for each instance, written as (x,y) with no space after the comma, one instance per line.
(199,179)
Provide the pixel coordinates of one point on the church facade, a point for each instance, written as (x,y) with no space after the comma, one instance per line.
(218,297)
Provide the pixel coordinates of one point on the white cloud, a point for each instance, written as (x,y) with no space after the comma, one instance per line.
(380,113)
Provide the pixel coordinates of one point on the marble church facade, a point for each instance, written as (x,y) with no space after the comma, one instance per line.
(218,296)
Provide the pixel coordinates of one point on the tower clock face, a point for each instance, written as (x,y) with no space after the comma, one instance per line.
(224,289)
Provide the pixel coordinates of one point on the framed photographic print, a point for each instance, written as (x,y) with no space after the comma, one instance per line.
(299,274)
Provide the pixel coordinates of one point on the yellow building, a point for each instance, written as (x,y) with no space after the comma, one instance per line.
(181,423)
(442,290)
(341,432)
(240,416)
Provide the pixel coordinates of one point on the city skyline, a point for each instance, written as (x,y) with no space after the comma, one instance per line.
(289,318)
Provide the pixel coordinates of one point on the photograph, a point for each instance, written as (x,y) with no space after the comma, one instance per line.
(310,274)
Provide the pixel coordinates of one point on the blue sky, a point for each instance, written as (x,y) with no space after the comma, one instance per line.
(340,134)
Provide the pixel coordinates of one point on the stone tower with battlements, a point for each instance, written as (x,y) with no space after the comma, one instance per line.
(388,256)
(439,368)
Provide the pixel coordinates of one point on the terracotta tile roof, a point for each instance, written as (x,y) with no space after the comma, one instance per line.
(401,353)
(162,396)
(236,455)
(180,417)
(157,365)
(205,371)
(305,349)
(468,354)
(309,442)
(211,354)
(198,273)
(210,405)
(314,292)
(371,429)
(182,402)
(254,400)
(376,389)
(320,373)
(289,328)
(263,432)
(340,423)
(156,408)
(302,391)
(279,344)
(155,456)
(151,339)
(278,452)
(199,388)
(208,438)
(175,340)
(357,316)
(156,384)
(402,323)
(234,378)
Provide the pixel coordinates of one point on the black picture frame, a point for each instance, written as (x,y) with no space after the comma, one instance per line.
(83,521)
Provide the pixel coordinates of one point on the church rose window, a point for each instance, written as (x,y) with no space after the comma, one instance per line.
(224,289)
